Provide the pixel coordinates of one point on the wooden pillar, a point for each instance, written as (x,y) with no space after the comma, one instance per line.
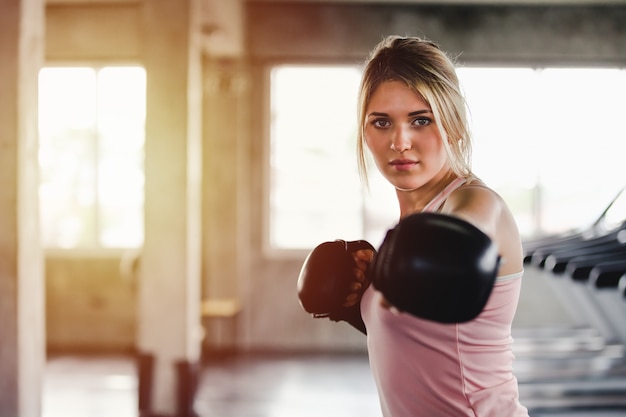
(169,334)
(22,330)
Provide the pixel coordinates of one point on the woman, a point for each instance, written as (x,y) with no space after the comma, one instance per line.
(412,120)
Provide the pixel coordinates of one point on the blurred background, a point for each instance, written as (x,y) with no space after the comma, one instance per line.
(190,153)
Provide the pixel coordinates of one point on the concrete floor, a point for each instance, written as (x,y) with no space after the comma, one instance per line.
(573,364)
(284,386)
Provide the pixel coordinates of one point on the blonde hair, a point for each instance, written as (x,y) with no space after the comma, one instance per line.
(428,71)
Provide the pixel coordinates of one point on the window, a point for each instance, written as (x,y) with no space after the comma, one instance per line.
(91,134)
(315,192)
(548,140)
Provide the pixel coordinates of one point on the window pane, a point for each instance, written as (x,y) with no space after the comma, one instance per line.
(67,156)
(503,118)
(121,121)
(91,126)
(315,192)
(583,148)
(546,140)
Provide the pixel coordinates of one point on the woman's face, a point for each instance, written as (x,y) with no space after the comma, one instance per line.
(401,134)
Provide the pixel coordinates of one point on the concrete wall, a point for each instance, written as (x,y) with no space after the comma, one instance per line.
(90,304)
(93,31)
(235,265)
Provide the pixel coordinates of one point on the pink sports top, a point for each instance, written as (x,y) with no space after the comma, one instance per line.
(424,368)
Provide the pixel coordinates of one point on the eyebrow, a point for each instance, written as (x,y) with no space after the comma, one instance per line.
(413,113)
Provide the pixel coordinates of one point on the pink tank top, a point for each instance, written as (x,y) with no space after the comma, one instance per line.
(424,368)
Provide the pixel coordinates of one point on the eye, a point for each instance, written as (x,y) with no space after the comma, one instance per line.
(381,123)
(422,121)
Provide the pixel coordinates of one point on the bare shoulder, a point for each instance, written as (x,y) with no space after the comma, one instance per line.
(478,204)
(485,208)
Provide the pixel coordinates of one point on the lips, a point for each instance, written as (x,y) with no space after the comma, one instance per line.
(403,164)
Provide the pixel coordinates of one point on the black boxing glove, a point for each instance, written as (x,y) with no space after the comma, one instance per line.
(325,281)
(436,267)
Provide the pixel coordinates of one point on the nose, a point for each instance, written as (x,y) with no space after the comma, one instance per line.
(401,140)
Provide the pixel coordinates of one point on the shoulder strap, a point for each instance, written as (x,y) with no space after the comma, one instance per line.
(436,203)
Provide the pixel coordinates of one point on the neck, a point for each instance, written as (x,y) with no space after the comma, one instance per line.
(414,201)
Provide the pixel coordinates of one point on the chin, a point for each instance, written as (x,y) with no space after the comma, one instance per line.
(405,187)
(403,182)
